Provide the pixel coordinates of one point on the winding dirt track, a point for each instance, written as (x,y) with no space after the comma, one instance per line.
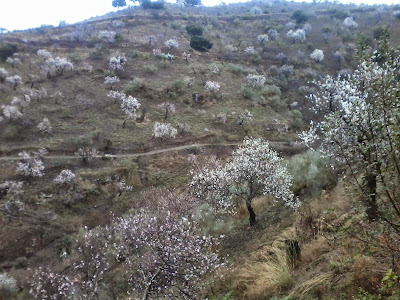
(274,145)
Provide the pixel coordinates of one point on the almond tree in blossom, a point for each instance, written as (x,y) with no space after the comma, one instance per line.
(360,127)
(253,169)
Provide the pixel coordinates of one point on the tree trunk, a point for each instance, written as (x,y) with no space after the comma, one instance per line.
(252,214)
(372,206)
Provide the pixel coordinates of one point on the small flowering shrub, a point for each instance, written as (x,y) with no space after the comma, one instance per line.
(250,50)
(263,38)
(164,130)
(45,126)
(317,55)
(14,81)
(12,112)
(123,187)
(65,176)
(30,166)
(212,86)
(350,23)
(110,81)
(117,62)
(129,106)
(244,117)
(107,36)
(86,154)
(273,34)
(255,80)
(167,108)
(298,35)
(172,43)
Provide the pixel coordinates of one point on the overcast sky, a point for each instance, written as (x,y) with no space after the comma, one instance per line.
(23,14)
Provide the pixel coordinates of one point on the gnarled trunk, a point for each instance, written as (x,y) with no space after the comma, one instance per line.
(252,214)
(370,201)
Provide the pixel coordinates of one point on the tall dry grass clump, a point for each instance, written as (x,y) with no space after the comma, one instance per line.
(266,273)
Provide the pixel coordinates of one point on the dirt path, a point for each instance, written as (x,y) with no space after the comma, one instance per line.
(274,145)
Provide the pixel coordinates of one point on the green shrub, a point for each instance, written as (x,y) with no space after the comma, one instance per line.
(96,55)
(134,87)
(311,173)
(299,16)
(147,4)
(151,69)
(296,120)
(194,29)
(176,25)
(192,2)
(235,69)
(247,93)
(8,286)
(200,43)
(7,50)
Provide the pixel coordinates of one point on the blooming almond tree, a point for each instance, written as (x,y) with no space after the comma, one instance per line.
(65,176)
(253,169)
(298,35)
(110,81)
(164,130)
(117,62)
(30,166)
(14,80)
(165,255)
(360,128)
(45,126)
(172,44)
(129,106)
(167,108)
(317,55)
(255,80)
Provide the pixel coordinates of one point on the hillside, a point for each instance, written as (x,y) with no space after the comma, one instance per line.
(88,98)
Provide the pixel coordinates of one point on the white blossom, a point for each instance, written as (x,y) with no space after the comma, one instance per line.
(30,166)
(164,130)
(108,36)
(167,108)
(117,62)
(14,80)
(45,126)
(317,55)
(350,23)
(273,34)
(244,117)
(172,43)
(3,74)
(256,10)
(86,154)
(255,80)
(44,54)
(65,176)
(250,50)
(263,38)
(298,35)
(129,106)
(253,169)
(12,112)
(111,80)
(212,86)
(123,187)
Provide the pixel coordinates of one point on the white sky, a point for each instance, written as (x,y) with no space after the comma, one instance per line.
(24,14)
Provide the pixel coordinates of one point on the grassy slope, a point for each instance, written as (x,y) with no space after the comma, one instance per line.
(85,113)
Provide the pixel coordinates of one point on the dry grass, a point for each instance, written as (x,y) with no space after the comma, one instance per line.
(315,283)
(266,273)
